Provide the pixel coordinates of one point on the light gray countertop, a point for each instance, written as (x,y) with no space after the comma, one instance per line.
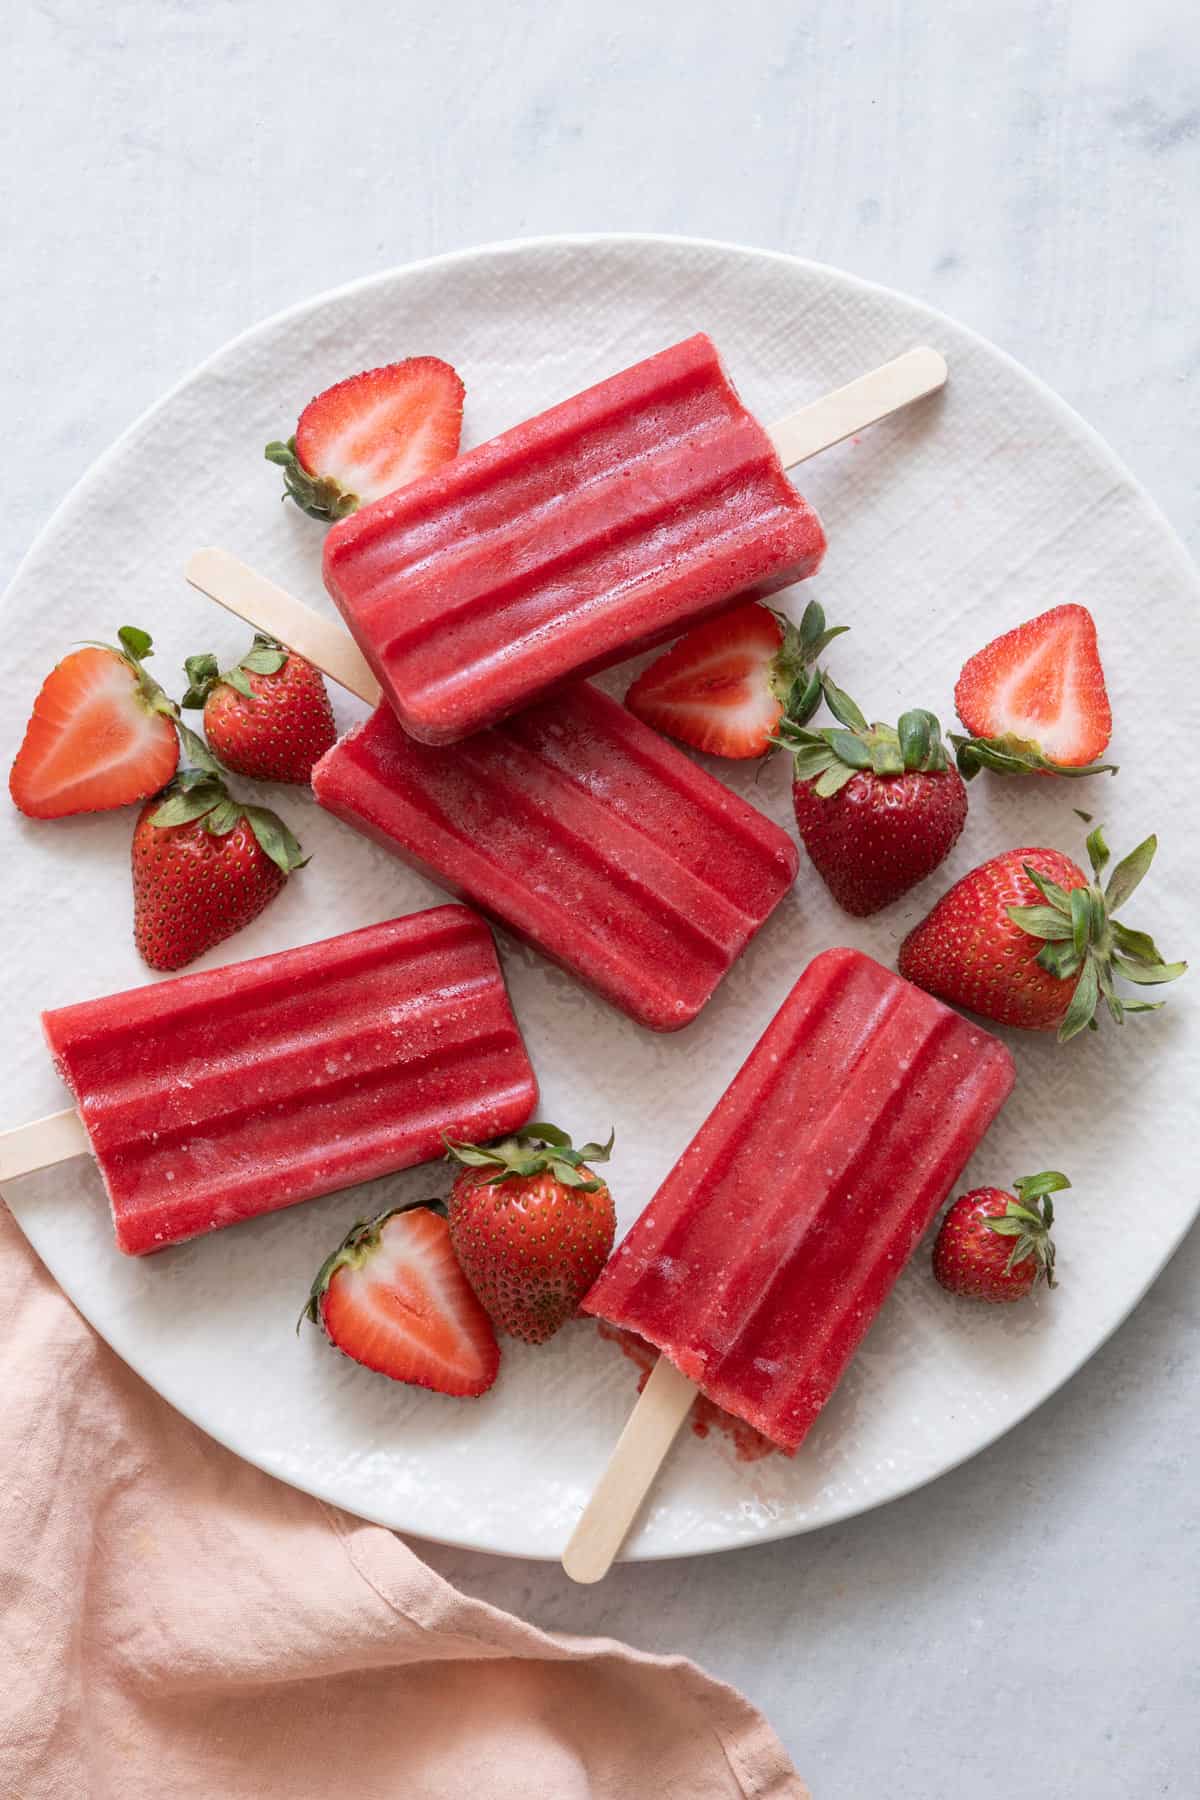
(1027,1627)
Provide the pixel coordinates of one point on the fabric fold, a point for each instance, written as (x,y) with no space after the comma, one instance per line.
(177,1623)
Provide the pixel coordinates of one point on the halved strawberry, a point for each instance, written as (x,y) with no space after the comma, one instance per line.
(102,734)
(368,435)
(1034,700)
(393,1297)
(724,686)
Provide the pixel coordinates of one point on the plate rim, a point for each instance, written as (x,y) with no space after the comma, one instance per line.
(1068,417)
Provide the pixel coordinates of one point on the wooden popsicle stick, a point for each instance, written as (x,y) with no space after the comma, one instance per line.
(860,403)
(41,1144)
(328,646)
(653,1424)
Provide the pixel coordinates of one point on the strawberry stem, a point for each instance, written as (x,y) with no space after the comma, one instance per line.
(320,496)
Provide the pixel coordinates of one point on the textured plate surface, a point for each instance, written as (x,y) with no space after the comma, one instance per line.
(946,526)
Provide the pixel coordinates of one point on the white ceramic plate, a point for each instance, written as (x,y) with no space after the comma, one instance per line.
(945,526)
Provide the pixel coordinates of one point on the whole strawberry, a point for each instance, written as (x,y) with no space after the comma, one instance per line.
(1026,940)
(877,807)
(532,1227)
(996,1246)
(268,717)
(204,864)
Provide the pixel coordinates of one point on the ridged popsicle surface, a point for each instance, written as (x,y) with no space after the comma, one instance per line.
(593,531)
(220,1095)
(769,1249)
(584,831)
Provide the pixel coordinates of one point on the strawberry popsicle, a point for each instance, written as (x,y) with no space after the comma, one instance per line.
(593,531)
(227,1093)
(768,1250)
(585,832)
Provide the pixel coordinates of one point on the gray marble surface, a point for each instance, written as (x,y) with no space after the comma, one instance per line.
(1028,1626)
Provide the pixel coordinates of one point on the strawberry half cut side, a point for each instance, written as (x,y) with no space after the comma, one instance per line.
(1035,702)
(371,434)
(101,734)
(724,687)
(393,1297)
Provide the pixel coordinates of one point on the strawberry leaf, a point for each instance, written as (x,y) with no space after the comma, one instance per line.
(847,748)
(1061,959)
(537,1148)
(842,706)
(1148,974)
(135,642)
(1049,890)
(1138,944)
(1129,872)
(274,837)
(1081,919)
(187,804)
(549,1134)
(1084,1000)
(263,659)
(886,758)
(833,781)
(1041,922)
(198,751)
(1098,851)
(814,634)
(1033,1187)
(915,737)
(223,818)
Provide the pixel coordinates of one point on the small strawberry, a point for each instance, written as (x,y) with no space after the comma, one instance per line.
(1034,700)
(996,1246)
(268,717)
(393,1297)
(369,435)
(532,1227)
(101,734)
(724,687)
(878,808)
(1026,940)
(204,864)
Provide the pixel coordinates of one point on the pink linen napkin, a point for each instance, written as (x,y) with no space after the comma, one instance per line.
(176,1623)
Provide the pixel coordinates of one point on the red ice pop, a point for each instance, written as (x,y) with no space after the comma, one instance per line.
(770,1247)
(592,531)
(216,1096)
(766,1254)
(585,832)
